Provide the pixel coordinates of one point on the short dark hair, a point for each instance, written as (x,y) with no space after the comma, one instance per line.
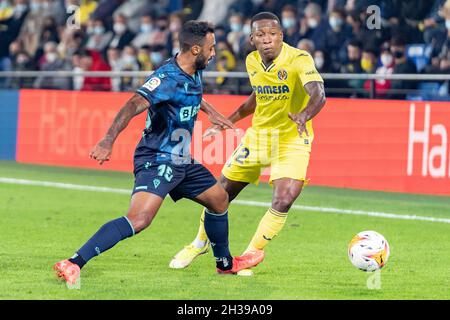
(264,16)
(355,43)
(193,33)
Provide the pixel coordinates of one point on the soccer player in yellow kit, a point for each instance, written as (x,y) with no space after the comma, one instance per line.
(287,93)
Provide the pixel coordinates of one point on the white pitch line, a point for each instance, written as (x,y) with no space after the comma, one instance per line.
(387,215)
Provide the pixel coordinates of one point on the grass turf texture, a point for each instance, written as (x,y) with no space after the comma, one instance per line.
(308,260)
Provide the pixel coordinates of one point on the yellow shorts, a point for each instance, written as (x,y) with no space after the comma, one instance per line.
(287,157)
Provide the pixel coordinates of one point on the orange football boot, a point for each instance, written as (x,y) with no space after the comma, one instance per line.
(69,272)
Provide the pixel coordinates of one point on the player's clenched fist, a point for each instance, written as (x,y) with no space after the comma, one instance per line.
(102,151)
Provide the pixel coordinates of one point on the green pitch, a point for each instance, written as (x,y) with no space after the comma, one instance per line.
(308,260)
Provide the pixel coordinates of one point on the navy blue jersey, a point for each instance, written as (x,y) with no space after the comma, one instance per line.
(175,99)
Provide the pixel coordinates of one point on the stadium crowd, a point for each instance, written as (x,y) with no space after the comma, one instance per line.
(343,36)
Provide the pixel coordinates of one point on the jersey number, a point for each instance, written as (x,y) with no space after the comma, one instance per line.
(166,172)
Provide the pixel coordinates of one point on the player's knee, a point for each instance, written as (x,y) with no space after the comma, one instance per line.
(140,221)
(282,203)
(221,202)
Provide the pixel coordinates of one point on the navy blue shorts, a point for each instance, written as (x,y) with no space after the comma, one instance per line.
(179,181)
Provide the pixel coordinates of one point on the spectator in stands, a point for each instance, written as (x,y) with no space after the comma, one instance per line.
(113,56)
(158,55)
(322,62)
(369,59)
(144,59)
(160,35)
(353,65)
(144,35)
(175,24)
(290,25)
(129,62)
(236,34)
(225,61)
(22,62)
(383,86)
(32,27)
(93,61)
(122,34)
(71,42)
(49,31)
(51,61)
(402,65)
(9,30)
(98,37)
(77,81)
(337,34)
(306,45)
(14,48)
(312,26)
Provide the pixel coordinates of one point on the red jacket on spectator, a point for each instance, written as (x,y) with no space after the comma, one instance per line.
(93,83)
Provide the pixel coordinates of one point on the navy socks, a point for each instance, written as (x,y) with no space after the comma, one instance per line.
(105,238)
(216,227)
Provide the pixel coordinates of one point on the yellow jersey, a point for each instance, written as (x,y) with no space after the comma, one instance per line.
(279,89)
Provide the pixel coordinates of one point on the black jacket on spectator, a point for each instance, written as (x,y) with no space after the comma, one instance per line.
(120,42)
(405,68)
(9,31)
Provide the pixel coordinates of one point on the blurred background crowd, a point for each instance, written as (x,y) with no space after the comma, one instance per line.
(343,36)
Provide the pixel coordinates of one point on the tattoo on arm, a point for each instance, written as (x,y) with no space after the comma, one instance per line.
(316,92)
(136,105)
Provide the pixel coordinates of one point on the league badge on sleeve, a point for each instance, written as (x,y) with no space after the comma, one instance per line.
(152,84)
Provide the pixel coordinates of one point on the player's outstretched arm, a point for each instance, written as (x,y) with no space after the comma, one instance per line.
(316,102)
(136,105)
(216,117)
(244,110)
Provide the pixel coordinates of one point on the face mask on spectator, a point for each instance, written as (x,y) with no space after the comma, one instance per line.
(35,6)
(247,29)
(319,62)
(20,8)
(146,28)
(119,28)
(99,30)
(129,59)
(366,65)
(288,23)
(4,4)
(156,58)
(386,59)
(312,23)
(235,27)
(335,23)
(22,60)
(51,57)
(447,24)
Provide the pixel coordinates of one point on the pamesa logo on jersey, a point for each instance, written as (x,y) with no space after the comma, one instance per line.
(271,89)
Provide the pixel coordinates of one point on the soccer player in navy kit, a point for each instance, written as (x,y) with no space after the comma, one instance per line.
(162,163)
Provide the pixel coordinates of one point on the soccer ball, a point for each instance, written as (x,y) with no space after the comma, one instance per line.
(368,251)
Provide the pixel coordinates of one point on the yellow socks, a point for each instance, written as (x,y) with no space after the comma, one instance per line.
(201,237)
(269,226)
